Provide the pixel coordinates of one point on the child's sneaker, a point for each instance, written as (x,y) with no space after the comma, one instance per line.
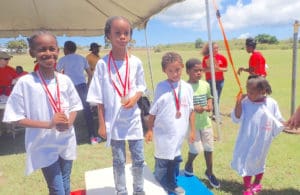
(247,192)
(178,191)
(256,188)
(93,140)
(188,170)
(212,180)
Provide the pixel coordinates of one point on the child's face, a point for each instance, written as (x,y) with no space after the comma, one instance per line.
(45,51)
(254,94)
(120,33)
(173,71)
(195,73)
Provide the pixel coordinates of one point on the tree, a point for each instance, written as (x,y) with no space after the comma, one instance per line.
(198,43)
(18,46)
(265,38)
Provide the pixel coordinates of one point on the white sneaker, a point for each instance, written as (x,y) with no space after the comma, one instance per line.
(93,140)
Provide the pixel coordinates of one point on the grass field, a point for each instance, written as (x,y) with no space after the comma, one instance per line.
(282,170)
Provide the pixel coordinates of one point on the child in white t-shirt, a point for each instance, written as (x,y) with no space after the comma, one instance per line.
(117,84)
(260,121)
(46,103)
(171,114)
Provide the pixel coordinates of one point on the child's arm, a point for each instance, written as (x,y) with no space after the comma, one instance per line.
(133,100)
(149,134)
(102,127)
(209,105)
(59,120)
(192,134)
(294,121)
(238,106)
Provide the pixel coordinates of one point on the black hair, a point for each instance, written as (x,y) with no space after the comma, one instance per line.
(260,83)
(109,22)
(251,42)
(70,46)
(31,39)
(169,58)
(191,63)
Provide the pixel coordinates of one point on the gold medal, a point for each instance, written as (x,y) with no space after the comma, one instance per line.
(178,114)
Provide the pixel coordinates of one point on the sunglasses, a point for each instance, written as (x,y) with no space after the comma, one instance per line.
(5,59)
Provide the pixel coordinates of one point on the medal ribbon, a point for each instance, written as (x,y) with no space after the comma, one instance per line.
(126,82)
(54,104)
(176,97)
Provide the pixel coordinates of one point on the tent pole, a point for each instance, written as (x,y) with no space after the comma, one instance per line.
(149,60)
(212,69)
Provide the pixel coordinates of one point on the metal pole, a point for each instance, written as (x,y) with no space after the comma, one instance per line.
(294,70)
(212,70)
(149,62)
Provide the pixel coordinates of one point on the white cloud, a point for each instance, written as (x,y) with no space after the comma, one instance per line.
(257,13)
(244,36)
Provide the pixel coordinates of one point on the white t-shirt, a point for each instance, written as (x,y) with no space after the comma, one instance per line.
(169,132)
(259,124)
(121,123)
(29,100)
(74,66)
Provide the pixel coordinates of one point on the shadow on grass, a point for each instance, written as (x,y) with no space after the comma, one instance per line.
(235,188)
(10,145)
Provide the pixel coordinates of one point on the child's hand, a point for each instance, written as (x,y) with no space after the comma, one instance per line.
(199,108)
(149,136)
(60,121)
(102,131)
(131,101)
(192,137)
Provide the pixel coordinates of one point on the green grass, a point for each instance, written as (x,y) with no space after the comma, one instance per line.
(282,167)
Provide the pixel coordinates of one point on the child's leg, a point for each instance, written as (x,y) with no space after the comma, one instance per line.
(177,161)
(207,139)
(258,178)
(247,183)
(171,174)
(136,148)
(194,149)
(53,177)
(257,187)
(208,161)
(66,168)
(160,171)
(119,158)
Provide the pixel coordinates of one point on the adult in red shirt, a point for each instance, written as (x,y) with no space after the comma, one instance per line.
(257,62)
(8,74)
(220,64)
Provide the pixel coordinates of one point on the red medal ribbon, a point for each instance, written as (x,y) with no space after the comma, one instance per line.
(176,97)
(55,104)
(126,82)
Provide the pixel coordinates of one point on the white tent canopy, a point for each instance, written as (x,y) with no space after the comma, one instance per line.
(72,17)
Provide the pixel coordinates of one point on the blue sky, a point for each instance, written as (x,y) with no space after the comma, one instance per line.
(186,22)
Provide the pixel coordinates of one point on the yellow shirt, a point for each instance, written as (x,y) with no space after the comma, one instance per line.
(92,60)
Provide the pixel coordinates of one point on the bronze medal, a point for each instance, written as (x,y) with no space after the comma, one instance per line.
(178,114)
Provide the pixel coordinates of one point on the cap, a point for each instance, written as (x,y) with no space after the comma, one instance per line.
(4,55)
(94,45)
(250,42)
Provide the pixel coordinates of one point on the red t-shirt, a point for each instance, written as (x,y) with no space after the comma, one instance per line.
(7,75)
(221,60)
(258,63)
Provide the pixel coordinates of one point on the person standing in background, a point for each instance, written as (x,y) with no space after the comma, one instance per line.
(257,62)
(220,65)
(8,74)
(93,56)
(74,65)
